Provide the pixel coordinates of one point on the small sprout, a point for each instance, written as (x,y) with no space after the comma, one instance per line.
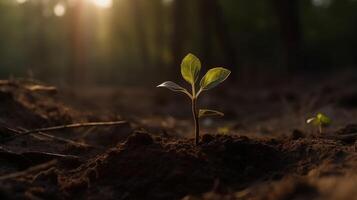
(190,70)
(223,130)
(320,120)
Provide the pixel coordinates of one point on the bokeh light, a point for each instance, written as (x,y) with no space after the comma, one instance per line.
(21,1)
(103,3)
(59,10)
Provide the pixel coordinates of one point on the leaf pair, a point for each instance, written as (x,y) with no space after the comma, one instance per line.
(190,70)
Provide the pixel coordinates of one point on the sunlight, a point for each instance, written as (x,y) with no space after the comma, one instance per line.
(21,1)
(167,2)
(321,3)
(103,3)
(59,10)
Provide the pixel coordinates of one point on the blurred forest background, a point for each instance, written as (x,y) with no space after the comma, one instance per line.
(140,41)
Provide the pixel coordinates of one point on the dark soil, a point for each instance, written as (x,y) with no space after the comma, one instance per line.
(268,154)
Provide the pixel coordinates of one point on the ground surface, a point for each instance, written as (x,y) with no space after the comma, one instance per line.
(262,149)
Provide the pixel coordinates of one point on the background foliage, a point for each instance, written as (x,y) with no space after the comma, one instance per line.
(132,40)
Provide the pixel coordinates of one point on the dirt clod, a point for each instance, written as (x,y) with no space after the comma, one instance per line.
(139,138)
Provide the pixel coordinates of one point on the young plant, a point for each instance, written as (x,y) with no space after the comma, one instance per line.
(190,69)
(320,121)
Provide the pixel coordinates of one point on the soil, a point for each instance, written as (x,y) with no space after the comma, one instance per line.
(261,150)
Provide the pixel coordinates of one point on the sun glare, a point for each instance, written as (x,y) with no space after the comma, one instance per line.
(21,1)
(103,3)
(59,10)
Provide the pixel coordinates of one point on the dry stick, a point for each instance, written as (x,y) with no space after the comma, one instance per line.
(50,136)
(37,168)
(62,127)
(58,138)
(30,155)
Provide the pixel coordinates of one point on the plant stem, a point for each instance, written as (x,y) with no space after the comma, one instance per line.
(320,129)
(195,114)
(195,119)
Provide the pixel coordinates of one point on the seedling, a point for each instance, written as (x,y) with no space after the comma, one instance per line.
(320,121)
(190,70)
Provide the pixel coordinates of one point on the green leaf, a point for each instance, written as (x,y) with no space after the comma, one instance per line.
(214,77)
(323,119)
(190,68)
(209,113)
(174,87)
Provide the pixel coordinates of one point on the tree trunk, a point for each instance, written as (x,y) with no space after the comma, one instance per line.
(212,20)
(139,26)
(159,33)
(206,31)
(39,55)
(288,17)
(77,72)
(178,35)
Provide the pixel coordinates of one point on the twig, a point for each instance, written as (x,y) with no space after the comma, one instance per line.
(11,156)
(72,142)
(62,127)
(65,140)
(37,168)
(32,156)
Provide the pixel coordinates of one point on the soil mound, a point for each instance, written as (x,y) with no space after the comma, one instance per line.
(142,168)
